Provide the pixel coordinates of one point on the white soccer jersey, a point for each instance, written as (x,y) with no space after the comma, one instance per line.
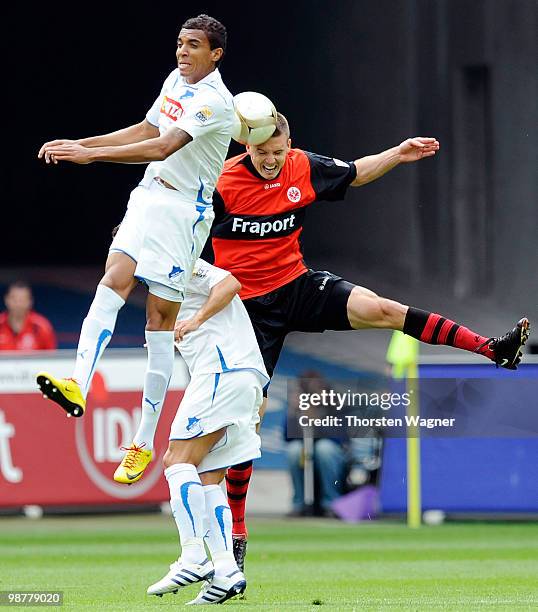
(225,342)
(205,111)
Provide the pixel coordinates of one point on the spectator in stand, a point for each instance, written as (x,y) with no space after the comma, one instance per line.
(329,472)
(328,455)
(22,329)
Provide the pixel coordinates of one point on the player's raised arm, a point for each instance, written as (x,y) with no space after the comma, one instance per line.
(219,297)
(134,133)
(372,167)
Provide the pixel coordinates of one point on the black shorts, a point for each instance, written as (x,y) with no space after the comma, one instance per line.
(313,302)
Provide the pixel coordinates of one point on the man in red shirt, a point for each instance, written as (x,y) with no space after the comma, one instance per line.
(259,207)
(22,329)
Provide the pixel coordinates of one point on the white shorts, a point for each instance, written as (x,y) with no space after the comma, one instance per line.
(164,235)
(214,401)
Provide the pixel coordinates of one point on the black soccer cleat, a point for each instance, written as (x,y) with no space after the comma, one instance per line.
(240,551)
(66,392)
(507,348)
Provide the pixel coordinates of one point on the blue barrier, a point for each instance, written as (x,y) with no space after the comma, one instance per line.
(479,474)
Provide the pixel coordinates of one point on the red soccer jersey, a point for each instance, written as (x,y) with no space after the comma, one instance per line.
(258,222)
(36,334)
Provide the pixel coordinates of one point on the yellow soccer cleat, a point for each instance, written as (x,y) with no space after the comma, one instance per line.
(133,465)
(64,391)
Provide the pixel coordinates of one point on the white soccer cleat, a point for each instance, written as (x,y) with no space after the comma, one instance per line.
(181,575)
(220,589)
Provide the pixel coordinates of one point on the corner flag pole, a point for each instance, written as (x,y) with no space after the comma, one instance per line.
(402,354)
(414,493)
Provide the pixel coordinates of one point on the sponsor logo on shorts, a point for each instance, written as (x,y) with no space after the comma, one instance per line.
(204,114)
(264,227)
(171,108)
(200,272)
(175,272)
(294,194)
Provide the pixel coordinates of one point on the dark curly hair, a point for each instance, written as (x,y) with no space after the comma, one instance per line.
(213,29)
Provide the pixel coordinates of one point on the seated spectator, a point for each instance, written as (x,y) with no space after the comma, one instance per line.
(330,467)
(22,329)
(329,460)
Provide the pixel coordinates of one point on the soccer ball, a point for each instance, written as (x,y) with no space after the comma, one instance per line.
(255,118)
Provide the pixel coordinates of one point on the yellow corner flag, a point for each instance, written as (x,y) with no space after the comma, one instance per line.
(402,354)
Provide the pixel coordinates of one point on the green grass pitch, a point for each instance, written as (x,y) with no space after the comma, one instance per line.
(106,563)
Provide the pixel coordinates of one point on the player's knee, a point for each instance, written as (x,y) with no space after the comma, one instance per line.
(384,306)
(154,322)
(364,309)
(121,283)
(367,309)
(158,322)
(119,273)
(172,456)
(161,314)
(212,478)
(161,318)
(361,300)
(392,312)
(168,459)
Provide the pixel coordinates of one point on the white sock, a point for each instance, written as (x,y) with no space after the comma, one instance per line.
(97,329)
(158,372)
(219,536)
(188,507)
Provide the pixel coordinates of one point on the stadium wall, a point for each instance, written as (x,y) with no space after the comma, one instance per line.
(466,73)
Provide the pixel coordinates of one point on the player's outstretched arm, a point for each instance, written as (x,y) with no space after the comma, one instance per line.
(151,149)
(219,297)
(134,133)
(372,167)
